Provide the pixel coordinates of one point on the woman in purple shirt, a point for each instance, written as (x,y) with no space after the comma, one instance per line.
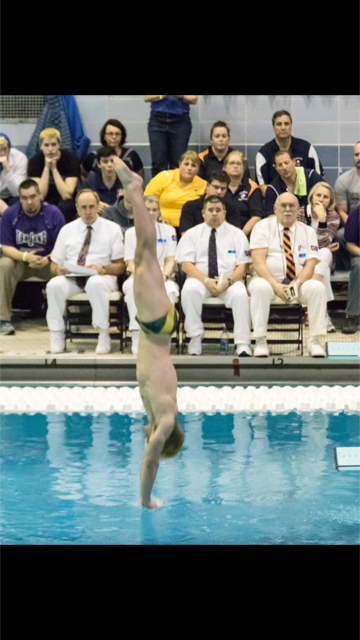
(169,130)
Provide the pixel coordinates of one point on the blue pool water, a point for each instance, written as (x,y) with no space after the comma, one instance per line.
(240,479)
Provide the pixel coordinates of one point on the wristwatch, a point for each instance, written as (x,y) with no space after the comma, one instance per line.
(230,282)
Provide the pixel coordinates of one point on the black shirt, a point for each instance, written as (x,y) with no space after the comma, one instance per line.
(210,163)
(302,151)
(191,213)
(245,203)
(68,166)
(278,186)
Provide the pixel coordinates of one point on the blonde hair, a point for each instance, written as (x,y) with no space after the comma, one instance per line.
(50,133)
(233,153)
(326,186)
(174,442)
(191,155)
(152,199)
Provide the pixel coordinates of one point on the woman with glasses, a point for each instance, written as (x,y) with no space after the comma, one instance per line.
(113,134)
(244,195)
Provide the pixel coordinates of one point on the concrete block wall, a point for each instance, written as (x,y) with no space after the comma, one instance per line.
(330,123)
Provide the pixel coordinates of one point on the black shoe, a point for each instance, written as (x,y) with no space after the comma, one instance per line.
(351,324)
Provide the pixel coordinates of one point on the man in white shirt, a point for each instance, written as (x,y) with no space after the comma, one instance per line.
(285,253)
(221,277)
(97,244)
(13,170)
(165,249)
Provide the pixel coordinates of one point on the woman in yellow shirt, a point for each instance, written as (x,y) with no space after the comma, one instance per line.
(176,187)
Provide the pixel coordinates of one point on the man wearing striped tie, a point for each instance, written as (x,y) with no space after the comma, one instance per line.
(284,254)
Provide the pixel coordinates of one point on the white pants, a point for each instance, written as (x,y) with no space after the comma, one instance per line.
(312,294)
(172,290)
(98,289)
(324,269)
(194,293)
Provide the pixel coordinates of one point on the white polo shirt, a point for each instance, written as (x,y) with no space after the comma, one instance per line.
(106,242)
(268,234)
(165,243)
(232,248)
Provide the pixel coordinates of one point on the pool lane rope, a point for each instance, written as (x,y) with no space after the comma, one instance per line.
(206,399)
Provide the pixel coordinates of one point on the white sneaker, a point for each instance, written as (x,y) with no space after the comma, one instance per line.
(243,350)
(57,341)
(104,343)
(329,325)
(261,348)
(315,349)
(195,348)
(135,337)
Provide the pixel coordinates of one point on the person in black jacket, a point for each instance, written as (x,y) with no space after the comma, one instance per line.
(191,213)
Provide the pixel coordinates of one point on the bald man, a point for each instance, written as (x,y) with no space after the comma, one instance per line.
(284,254)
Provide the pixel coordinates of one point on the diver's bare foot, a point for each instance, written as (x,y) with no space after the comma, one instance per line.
(128,179)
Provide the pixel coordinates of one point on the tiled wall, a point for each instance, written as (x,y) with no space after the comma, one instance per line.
(330,123)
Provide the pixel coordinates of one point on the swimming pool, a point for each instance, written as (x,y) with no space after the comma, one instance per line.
(263,473)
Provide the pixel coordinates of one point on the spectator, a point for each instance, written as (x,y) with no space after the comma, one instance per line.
(302,151)
(166,248)
(214,257)
(175,187)
(352,239)
(212,159)
(105,182)
(191,213)
(284,254)
(244,195)
(347,197)
(28,233)
(97,244)
(293,179)
(113,134)
(13,170)
(325,220)
(56,171)
(169,130)
(121,212)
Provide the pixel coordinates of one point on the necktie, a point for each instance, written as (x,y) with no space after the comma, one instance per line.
(290,264)
(81,280)
(213,265)
(85,248)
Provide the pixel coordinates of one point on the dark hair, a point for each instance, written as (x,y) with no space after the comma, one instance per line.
(104,152)
(278,114)
(214,199)
(219,123)
(118,125)
(281,152)
(28,183)
(220,176)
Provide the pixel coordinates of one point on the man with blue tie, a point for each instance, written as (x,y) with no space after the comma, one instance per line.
(214,256)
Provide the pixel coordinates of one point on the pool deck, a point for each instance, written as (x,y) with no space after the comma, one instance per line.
(25,359)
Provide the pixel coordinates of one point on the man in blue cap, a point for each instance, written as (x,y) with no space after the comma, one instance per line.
(13,170)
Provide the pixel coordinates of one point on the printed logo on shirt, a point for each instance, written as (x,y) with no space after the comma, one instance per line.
(31,239)
(313,248)
(161,239)
(243,195)
(302,255)
(231,251)
(298,161)
(248,253)
(173,238)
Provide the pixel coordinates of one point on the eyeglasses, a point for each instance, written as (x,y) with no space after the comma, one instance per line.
(235,164)
(114,135)
(290,206)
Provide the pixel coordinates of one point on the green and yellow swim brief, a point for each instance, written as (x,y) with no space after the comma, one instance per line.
(165,325)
